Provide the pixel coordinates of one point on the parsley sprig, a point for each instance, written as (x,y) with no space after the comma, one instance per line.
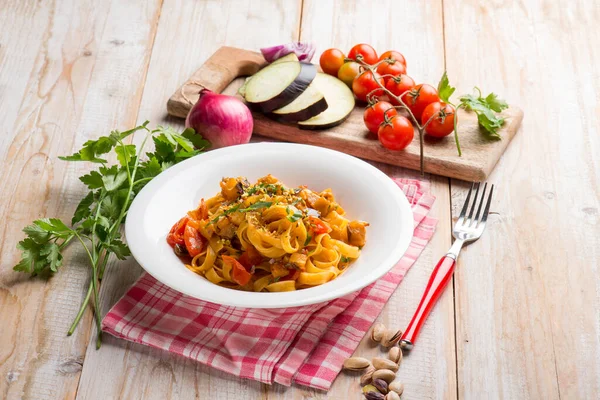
(486,108)
(96,223)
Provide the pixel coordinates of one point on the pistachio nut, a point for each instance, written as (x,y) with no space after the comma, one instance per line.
(392,396)
(391,338)
(366,378)
(369,388)
(384,363)
(396,387)
(385,374)
(374,396)
(377,332)
(381,385)
(356,363)
(395,354)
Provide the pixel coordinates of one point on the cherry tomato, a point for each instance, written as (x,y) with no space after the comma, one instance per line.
(250,257)
(331,60)
(194,242)
(175,235)
(442,123)
(367,52)
(374,114)
(395,68)
(238,272)
(365,84)
(348,72)
(398,85)
(419,97)
(396,56)
(318,226)
(396,133)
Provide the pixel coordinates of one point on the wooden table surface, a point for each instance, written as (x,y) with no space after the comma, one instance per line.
(522,317)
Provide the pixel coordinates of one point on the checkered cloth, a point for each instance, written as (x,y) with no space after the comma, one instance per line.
(303,345)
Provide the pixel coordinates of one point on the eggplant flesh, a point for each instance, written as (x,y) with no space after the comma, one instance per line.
(340,102)
(278,84)
(310,103)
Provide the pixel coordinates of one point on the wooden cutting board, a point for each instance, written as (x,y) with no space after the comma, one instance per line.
(479,155)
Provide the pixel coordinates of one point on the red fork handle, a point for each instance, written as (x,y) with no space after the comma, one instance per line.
(438,281)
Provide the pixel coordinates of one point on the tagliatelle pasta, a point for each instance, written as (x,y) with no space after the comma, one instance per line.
(267,237)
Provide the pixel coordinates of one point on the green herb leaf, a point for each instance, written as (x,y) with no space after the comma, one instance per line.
(295,216)
(258,205)
(37,234)
(197,140)
(125,153)
(444,88)
(53,257)
(484,108)
(307,241)
(119,249)
(495,103)
(113,180)
(345,259)
(53,225)
(83,208)
(93,180)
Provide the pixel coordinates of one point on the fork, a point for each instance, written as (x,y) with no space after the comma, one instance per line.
(466,230)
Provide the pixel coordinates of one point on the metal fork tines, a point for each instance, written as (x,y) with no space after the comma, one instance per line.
(471,222)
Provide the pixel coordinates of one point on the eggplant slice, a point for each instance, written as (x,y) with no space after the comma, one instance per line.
(310,103)
(340,102)
(278,84)
(287,58)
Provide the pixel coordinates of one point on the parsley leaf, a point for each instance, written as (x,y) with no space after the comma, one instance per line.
(83,208)
(125,153)
(295,216)
(486,109)
(444,88)
(257,206)
(93,180)
(307,241)
(345,259)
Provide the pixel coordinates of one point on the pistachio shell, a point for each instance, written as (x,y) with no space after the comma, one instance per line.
(356,363)
(381,385)
(384,363)
(377,332)
(396,387)
(369,388)
(366,378)
(385,374)
(391,338)
(392,396)
(395,354)
(374,396)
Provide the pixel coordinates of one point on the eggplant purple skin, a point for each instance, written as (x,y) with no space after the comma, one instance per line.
(302,115)
(299,84)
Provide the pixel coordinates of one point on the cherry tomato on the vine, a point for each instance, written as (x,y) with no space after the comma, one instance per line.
(396,56)
(396,133)
(442,123)
(368,53)
(366,84)
(394,68)
(374,114)
(399,84)
(331,60)
(348,72)
(419,97)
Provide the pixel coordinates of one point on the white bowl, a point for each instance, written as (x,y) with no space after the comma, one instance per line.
(361,189)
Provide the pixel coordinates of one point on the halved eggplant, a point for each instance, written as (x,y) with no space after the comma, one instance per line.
(340,101)
(310,103)
(278,84)
(287,58)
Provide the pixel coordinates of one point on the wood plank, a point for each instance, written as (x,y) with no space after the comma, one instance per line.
(62,87)
(479,157)
(198,29)
(429,371)
(528,292)
(136,370)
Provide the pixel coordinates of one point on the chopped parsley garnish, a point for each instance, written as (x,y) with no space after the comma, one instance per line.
(293,217)
(258,205)
(345,259)
(308,239)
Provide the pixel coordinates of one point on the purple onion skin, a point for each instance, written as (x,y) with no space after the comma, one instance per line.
(222,120)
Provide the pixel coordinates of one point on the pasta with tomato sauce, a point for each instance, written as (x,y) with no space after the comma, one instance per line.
(266,237)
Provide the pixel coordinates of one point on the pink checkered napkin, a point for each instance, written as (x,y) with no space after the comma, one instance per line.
(303,345)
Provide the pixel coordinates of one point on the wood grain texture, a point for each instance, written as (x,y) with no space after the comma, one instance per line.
(198,29)
(528,292)
(70,79)
(479,157)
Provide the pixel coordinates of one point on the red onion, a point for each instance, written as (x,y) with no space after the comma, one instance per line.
(222,120)
(304,51)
